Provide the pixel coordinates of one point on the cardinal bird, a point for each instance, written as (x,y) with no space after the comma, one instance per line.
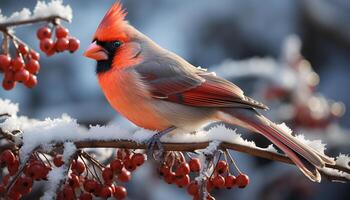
(158,90)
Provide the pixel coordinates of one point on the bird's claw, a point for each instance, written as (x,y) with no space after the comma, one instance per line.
(155,140)
(153,144)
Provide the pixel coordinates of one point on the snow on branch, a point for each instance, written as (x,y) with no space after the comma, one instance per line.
(52,133)
(43,11)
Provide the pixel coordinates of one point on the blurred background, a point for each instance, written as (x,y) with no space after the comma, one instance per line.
(293,55)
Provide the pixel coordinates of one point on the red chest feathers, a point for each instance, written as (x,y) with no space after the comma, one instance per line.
(130,97)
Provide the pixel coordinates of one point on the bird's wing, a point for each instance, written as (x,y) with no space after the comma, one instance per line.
(177,81)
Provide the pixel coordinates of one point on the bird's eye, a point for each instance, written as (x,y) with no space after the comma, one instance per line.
(116,44)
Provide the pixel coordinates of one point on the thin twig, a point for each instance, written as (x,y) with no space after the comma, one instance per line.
(233,161)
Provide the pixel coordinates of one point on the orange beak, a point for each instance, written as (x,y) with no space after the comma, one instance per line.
(96,52)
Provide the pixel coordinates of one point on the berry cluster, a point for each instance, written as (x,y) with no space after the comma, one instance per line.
(176,170)
(84,183)
(22,68)
(89,179)
(34,170)
(62,42)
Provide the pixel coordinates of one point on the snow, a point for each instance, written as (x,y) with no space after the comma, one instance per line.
(54,177)
(7,107)
(57,174)
(343,160)
(203,153)
(211,148)
(335,172)
(315,144)
(55,7)
(42,9)
(69,150)
(46,132)
(16,16)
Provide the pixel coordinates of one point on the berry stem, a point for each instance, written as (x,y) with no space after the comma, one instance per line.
(233,161)
(47,160)
(5,45)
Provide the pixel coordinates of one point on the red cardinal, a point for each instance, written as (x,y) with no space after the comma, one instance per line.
(158,90)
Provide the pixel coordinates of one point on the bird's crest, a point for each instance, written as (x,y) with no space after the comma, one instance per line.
(113,24)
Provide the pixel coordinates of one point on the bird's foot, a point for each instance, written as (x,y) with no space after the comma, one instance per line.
(154,143)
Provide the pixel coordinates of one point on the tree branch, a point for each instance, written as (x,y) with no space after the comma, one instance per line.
(53,19)
(190,147)
(124,144)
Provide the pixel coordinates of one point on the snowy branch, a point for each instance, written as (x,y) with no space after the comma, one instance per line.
(4,26)
(343,175)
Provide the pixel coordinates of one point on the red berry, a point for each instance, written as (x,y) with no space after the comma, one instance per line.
(107,175)
(124,176)
(164,170)
(5,62)
(68,193)
(34,55)
(61,44)
(17,63)
(31,82)
(8,84)
(14,195)
(23,49)
(221,167)
(183,169)
(13,167)
(37,171)
(5,179)
(46,45)
(230,181)
(78,167)
(242,180)
(43,33)
(9,80)
(120,192)
(195,165)
(74,181)
(210,185)
(22,75)
(117,166)
(85,196)
(90,186)
(7,157)
(74,44)
(218,181)
(24,185)
(2,188)
(61,32)
(183,181)
(57,161)
(193,188)
(170,178)
(33,66)
(129,165)
(106,191)
(138,159)
(51,52)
